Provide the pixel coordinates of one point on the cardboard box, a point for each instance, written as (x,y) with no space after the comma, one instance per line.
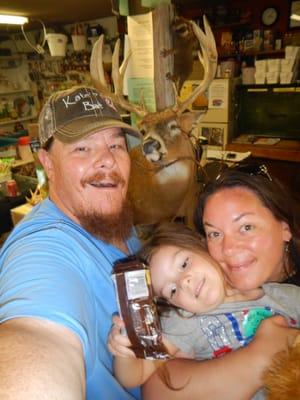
(273,65)
(260,77)
(272,77)
(33,130)
(292,51)
(261,65)
(19,212)
(287,77)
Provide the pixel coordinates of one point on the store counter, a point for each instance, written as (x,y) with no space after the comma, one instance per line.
(285,150)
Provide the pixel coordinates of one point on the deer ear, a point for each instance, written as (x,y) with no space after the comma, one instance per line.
(189,119)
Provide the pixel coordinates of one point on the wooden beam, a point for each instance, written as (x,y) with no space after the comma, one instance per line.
(162,38)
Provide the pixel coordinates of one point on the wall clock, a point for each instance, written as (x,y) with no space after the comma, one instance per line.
(269,16)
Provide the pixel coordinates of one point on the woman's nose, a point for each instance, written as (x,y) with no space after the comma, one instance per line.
(230,243)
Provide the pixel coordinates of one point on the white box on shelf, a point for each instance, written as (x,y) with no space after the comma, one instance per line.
(292,51)
(273,64)
(261,65)
(288,63)
(260,77)
(287,77)
(272,77)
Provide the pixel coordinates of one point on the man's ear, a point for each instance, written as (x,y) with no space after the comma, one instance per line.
(286,232)
(46,161)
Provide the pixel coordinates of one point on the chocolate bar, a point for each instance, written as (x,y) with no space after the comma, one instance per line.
(137,308)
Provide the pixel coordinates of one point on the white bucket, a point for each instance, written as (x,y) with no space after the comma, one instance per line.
(79,42)
(57,43)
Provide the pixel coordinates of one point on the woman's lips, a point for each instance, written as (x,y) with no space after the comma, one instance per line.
(239,267)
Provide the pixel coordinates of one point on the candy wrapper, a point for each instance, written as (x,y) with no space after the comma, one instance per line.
(137,308)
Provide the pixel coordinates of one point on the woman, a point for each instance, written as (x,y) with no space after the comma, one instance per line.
(252,226)
(252,230)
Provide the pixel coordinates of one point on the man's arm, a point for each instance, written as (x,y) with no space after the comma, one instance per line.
(235,376)
(40,360)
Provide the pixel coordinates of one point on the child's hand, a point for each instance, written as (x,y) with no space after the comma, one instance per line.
(118,343)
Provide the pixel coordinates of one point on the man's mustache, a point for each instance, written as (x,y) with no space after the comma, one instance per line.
(112,177)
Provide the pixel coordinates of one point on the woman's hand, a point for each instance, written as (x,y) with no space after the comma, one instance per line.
(272,336)
(118,342)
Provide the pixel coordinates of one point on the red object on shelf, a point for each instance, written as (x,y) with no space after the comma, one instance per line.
(12,188)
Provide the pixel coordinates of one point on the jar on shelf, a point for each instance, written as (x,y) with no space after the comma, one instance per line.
(24,149)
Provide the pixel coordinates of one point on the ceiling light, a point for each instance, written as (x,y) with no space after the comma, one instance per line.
(13,19)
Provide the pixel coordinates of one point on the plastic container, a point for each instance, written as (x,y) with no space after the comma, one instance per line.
(57,43)
(24,149)
(79,42)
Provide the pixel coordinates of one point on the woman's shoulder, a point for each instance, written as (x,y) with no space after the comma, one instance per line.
(276,289)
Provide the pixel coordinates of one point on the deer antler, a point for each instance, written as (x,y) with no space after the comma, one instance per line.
(208,58)
(98,77)
(96,66)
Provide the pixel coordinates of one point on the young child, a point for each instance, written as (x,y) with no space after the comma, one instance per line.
(208,317)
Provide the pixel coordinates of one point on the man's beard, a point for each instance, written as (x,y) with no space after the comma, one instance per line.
(110,228)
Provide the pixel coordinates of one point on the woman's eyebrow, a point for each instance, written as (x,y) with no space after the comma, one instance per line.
(236,219)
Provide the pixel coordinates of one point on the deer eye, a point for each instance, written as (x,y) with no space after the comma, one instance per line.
(143,131)
(173,128)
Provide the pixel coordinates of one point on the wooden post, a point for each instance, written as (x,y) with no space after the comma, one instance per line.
(162,16)
(162,39)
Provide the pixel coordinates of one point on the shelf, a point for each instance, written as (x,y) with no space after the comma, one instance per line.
(13,121)
(253,53)
(15,92)
(9,62)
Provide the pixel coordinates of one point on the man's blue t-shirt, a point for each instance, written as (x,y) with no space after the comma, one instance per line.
(51,268)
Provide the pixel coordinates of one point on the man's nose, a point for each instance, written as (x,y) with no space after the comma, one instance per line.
(105,158)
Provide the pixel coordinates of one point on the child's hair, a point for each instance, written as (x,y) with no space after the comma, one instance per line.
(172,234)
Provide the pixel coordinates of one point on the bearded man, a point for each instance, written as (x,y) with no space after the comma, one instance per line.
(56,295)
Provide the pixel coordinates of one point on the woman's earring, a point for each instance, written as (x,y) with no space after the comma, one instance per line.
(287,247)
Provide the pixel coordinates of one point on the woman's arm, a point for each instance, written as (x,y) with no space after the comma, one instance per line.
(40,360)
(235,376)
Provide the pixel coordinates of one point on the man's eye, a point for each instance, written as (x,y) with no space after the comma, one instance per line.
(118,146)
(81,148)
(185,263)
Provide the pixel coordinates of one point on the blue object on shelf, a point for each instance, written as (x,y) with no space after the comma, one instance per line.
(12,139)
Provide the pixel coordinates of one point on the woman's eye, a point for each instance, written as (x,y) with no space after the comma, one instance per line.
(212,235)
(247,227)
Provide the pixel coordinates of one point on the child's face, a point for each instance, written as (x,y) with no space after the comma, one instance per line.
(188,279)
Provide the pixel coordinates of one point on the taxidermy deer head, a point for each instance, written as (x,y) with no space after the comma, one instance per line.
(184,44)
(162,184)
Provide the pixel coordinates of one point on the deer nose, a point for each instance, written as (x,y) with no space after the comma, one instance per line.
(150,145)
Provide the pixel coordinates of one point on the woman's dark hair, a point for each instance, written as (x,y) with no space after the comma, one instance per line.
(273,196)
